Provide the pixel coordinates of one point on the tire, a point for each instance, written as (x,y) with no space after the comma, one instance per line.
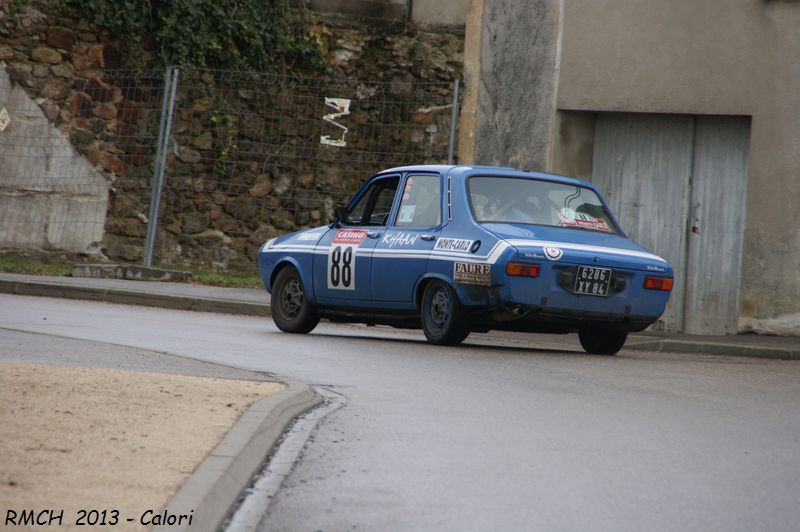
(443,318)
(599,340)
(291,311)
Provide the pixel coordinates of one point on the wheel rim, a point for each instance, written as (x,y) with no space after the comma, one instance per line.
(439,311)
(291,299)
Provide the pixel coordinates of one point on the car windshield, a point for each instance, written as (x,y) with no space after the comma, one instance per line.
(532,201)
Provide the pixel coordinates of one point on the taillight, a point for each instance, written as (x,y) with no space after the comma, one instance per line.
(522,270)
(659,283)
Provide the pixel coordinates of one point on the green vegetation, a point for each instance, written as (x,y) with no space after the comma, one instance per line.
(229,279)
(230,34)
(61,266)
(233,278)
(36,264)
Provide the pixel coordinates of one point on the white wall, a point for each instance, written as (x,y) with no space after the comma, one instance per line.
(50,196)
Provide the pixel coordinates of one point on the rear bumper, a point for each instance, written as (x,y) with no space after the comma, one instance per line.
(533,318)
(549,296)
(575,319)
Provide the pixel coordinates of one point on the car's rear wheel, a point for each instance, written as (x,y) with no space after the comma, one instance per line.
(444,320)
(599,340)
(291,310)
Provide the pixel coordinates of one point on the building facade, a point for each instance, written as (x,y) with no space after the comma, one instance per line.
(450,12)
(686,113)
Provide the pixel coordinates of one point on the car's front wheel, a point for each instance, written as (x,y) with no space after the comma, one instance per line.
(291,310)
(444,320)
(599,340)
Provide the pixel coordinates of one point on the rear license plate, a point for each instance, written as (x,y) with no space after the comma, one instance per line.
(592,281)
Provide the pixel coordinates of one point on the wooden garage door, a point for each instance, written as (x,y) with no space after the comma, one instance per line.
(677,184)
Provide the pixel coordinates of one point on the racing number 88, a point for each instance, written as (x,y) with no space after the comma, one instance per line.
(342,274)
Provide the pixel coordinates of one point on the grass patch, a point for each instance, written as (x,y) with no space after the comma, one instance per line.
(232,279)
(35,264)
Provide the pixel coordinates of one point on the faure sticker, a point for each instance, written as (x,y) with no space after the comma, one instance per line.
(471,273)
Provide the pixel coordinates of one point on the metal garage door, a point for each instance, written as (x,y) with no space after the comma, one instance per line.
(677,184)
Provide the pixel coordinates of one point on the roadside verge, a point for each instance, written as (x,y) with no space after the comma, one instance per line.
(216,484)
(148,298)
(123,443)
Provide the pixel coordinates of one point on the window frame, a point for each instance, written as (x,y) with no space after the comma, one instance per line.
(371,187)
(399,201)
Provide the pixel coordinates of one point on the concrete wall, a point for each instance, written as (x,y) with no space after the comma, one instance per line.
(509,61)
(450,12)
(383,9)
(547,67)
(50,196)
(453,12)
(729,57)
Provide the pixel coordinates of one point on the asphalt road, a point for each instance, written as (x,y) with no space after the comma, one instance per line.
(499,434)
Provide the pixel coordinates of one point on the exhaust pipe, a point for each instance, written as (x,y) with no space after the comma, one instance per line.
(508,313)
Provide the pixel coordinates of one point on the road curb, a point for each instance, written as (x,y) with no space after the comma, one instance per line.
(711,348)
(134,297)
(216,484)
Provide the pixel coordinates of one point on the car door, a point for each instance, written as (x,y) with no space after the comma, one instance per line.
(343,257)
(401,256)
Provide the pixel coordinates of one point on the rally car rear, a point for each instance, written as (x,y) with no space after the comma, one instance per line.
(567,285)
(568,266)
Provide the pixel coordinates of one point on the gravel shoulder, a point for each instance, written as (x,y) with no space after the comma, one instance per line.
(107,438)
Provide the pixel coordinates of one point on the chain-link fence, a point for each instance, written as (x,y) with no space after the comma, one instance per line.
(64,145)
(237,157)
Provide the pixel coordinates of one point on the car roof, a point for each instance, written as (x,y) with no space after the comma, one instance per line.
(465,171)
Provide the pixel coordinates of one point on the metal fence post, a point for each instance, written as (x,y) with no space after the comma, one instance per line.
(453,124)
(164,134)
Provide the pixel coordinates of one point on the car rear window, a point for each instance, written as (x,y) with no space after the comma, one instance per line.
(539,202)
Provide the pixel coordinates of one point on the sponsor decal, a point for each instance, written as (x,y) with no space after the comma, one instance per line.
(553,253)
(350,236)
(533,255)
(342,259)
(453,244)
(312,235)
(569,218)
(400,239)
(406,213)
(470,273)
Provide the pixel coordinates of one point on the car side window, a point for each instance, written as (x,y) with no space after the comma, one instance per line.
(421,205)
(375,204)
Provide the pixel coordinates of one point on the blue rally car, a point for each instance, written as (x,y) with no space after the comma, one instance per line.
(456,249)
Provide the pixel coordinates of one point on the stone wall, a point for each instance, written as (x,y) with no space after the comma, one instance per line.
(238,171)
